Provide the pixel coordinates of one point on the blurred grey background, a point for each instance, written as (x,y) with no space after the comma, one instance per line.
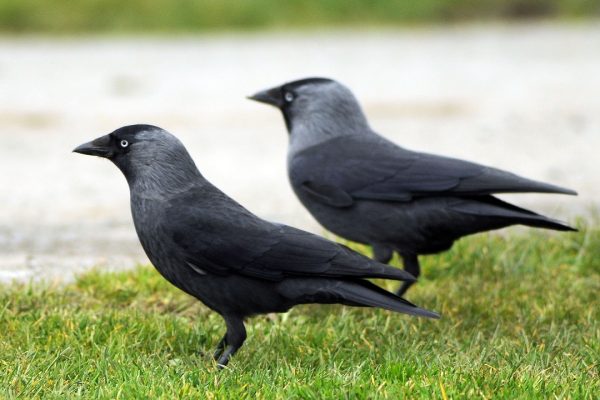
(517,89)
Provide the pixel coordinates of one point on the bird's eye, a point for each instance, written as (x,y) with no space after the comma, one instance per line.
(288,97)
(124,143)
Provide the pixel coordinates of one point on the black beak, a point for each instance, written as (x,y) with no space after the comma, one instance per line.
(270,96)
(100,147)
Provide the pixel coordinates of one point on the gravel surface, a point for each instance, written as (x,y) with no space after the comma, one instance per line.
(519,97)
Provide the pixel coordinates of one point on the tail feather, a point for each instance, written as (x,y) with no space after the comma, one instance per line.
(498,181)
(349,263)
(368,294)
(547,223)
(352,292)
(490,206)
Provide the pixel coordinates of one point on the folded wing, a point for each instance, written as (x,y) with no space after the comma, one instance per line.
(229,239)
(371,167)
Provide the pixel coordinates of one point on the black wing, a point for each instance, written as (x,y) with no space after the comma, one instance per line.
(222,237)
(371,167)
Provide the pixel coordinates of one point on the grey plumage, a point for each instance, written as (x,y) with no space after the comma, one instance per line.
(365,188)
(211,247)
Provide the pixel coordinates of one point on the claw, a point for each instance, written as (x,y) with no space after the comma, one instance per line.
(220,348)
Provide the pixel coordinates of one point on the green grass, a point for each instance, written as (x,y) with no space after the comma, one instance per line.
(520,319)
(67,16)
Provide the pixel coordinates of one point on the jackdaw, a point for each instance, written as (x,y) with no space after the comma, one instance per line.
(212,248)
(367,189)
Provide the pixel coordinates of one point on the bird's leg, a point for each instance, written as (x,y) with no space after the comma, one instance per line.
(220,347)
(382,253)
(411,265)
(234,338)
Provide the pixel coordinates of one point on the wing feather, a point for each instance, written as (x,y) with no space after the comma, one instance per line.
(371,167)
(238,242)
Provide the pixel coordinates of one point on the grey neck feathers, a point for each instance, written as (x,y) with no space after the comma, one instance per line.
(162,174)
(319,121)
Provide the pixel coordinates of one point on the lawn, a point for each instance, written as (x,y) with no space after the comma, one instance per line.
(160,16)
(520,319)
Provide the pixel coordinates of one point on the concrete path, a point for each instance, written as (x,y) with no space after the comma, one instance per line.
(523,98)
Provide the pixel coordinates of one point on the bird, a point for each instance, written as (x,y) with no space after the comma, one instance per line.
(237,264)
(367,189)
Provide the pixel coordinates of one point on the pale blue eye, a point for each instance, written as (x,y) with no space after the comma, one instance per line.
(288,97)
(124,143)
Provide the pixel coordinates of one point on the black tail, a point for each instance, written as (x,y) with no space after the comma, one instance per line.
(492,207)
(351,292)
(547,223)
(365,293)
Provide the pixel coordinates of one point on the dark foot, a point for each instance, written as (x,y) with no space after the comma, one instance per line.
(225,357)
(231,342)
(403,288)
(220,348)
(411,265)
(382,253)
